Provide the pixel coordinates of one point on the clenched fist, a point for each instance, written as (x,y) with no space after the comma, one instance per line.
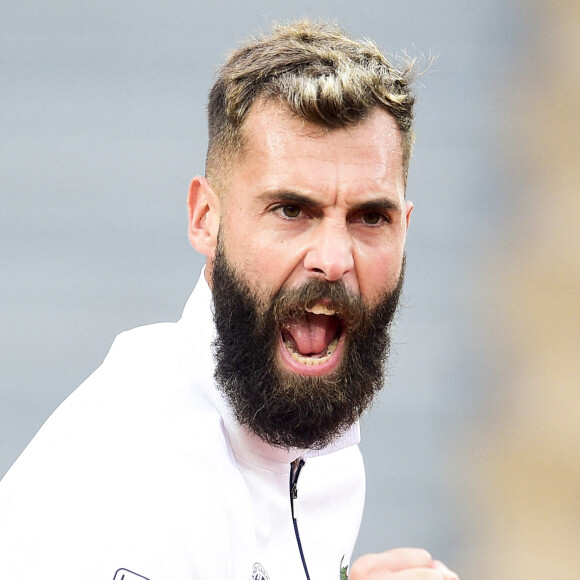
(400,564)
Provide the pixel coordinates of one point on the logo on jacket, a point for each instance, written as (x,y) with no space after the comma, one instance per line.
(258,573)
(123,574)
(343,570)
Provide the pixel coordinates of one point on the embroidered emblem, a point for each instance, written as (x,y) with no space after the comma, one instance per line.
(123,574)
(258,573)
(343,570)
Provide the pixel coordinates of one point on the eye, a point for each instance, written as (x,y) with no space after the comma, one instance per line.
(290,211)
(372,218)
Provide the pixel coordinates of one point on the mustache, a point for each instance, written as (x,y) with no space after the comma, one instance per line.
(350,308)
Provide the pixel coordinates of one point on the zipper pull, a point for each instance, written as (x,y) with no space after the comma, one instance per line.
(294,501)
(295,469)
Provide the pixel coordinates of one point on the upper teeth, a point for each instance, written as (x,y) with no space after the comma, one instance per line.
(320,309)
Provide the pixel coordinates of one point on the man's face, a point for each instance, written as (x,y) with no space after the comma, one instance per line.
(307,208)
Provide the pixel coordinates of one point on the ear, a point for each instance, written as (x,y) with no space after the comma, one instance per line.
(204,216)
(408,209)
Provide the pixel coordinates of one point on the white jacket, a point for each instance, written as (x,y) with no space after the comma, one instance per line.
(142,473)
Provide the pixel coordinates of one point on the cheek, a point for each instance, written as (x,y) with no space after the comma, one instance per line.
(275,264)
(378,269)
(264,264)
(275,259)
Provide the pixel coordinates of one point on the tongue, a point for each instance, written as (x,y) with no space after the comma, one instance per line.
(311,334)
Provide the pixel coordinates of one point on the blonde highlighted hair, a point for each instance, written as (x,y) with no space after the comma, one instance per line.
(319,73)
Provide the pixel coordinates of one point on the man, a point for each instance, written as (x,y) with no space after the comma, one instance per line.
(225,446)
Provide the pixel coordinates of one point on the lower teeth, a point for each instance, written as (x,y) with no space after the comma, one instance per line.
(312,361)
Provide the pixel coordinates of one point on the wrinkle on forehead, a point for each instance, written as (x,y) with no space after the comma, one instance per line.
(336,155)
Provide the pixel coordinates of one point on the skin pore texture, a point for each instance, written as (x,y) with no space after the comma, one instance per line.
(306,210)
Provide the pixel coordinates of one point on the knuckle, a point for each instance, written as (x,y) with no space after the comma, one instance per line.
(365,566)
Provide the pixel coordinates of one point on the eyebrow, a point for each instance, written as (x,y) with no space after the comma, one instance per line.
(292,197)
(381,204)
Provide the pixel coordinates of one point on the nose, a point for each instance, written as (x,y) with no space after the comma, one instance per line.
(330,252)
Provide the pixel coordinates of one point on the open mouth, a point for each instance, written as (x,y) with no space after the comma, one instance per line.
(312,343)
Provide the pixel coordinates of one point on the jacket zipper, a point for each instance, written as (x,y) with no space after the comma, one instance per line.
(295,468)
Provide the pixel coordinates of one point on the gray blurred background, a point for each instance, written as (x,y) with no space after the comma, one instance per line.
(102,125)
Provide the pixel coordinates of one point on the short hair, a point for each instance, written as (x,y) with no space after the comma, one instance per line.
(319,73)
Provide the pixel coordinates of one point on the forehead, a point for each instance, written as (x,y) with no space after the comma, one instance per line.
(279,146)
(272,121)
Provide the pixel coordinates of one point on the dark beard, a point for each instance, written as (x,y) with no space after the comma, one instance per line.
(286,409)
